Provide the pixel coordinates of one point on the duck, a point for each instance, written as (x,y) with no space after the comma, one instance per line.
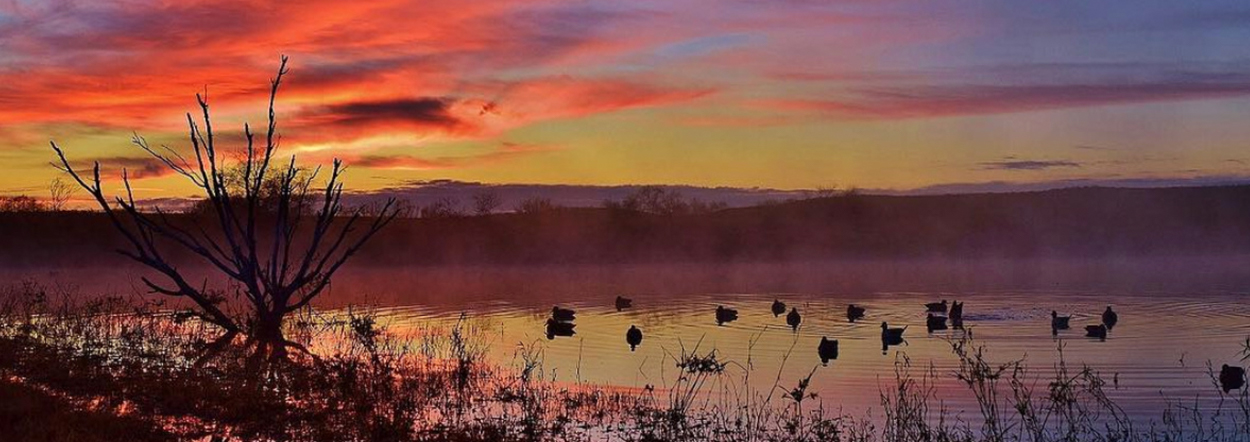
(892,336)
(936,307)
(828,349)
(633,336)
(1059,322)
(1232,378)
(724,315)
(854,312)
(778,307)
(558,328)
(562,314)
(623,303)
(794,319)
(1109,318)
(1096,331)
(957,315)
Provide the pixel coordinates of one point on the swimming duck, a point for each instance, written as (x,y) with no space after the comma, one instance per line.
(724,315)
(794,319)
(1232,378)
(936,307)
(562,314)
(1096,331)
(891,336)
(854,312)
(1110,318)
(634,337)
(1059,322)
(778,307)
(623,303)
(828,349)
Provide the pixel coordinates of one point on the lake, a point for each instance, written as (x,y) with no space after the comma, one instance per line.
(1176,316)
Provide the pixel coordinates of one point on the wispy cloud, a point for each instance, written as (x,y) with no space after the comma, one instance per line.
(1014,164)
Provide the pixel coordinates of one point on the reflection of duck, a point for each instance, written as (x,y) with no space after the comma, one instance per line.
(1110,318)
(1059,322)
(794,319)
(828,350)
(1232,378)
(778,307)
(853,312)
(936,307)
(557,328)
(623,303)
(935,322)
(562,314)
(1096,331)
(892,336)
(724,315)
(634,337)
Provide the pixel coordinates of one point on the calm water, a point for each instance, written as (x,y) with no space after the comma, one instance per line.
(1175,316)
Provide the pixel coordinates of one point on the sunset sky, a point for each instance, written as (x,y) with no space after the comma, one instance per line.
(780,94)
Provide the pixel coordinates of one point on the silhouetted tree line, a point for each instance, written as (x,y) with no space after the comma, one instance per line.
(1083,222)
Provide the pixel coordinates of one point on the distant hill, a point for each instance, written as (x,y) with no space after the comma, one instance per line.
(1068,222)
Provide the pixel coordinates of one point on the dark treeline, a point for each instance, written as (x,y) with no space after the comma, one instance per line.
(1068,222)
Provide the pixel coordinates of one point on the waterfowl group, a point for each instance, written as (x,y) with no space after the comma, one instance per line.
(937,316)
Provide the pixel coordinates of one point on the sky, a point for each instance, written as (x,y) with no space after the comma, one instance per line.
(797,94)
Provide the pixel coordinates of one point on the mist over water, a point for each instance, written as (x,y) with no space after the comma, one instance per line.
(1176,315)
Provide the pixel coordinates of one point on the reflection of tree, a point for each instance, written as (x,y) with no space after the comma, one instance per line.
(265,226)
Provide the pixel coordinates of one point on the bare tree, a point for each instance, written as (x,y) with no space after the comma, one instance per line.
(254,233)
(485,202)
(59,192)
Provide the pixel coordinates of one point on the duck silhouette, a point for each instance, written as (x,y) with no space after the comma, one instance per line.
(1096,331)
(1110,318)
(1232,378)
(957,315)
(778,307)
(1059,322)
(854,312)
(724,315)
(558,328)
(623,303)
(562,314)
(892,336)
(828,350)
(633,336)
(934,323)
(936,307)
(794,319)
